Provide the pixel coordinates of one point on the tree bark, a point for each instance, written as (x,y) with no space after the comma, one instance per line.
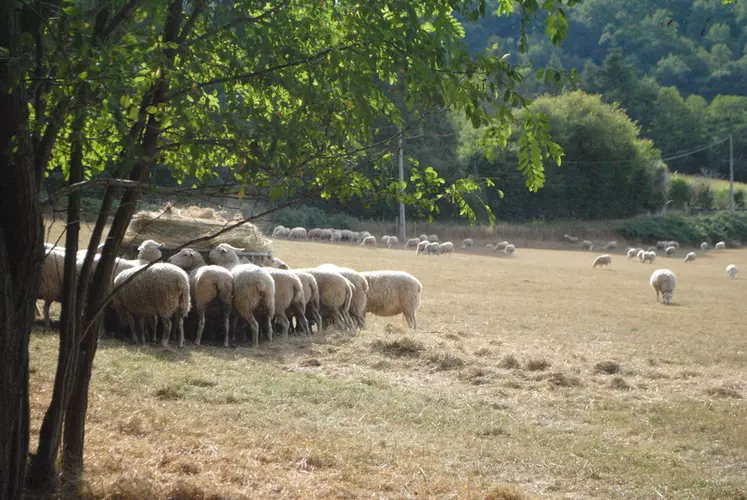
(21,255)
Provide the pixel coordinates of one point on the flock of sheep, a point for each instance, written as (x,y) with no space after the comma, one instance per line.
(663,281)
(267,290)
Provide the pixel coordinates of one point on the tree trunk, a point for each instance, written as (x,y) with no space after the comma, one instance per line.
(21,255)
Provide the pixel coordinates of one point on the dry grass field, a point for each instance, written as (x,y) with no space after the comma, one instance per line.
(531,376)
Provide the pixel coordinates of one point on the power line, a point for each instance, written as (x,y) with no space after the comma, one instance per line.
(666,158)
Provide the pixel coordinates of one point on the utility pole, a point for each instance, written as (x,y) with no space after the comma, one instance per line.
(402,223)
(731,174)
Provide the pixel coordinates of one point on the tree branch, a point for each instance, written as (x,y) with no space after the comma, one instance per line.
(187,29)
(93,183)
(240,20)
(119,17)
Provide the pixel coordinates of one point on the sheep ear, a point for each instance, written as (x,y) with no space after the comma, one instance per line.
(160,245)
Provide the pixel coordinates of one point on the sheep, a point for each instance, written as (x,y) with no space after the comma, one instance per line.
(369,241)
(422,247)
(500,246)
(277,231)
(392,242)
(346,235)
(651,249)
(732,270)
(314,234)
(325,235)
(641,254)
(662,245)
(689,257)
(721,245)
(704,246)
(50,286)
(432,248)
(311,295)
(433,238)
(509,250)
(602,260)
(335,295)
(393,292)
(570,239)
(385,240)
(587,245)
(289,299)
(675,244)
(663,282)
(336,236)
(467,243)
(611,245)
(297,233)
(446,247)
(670,251)
(206,284)
(161,290)
(632,253)
(357,309)
(225,255)
(649,257)
(412,242)
(253,291)
(423,237)
(362,236)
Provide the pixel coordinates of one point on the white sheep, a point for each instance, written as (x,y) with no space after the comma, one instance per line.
(385,240)
(362,236)
(732,270)
(412,243)
(422,247)
(161,290)
(663,282)
(393,292)
(446,248)
(206,283)
(587,245)
(336,236)
(690,257)
(662,245)
(721,245)
(632,253)
(347,235)
(335,296)
(297,233)
(50,285)
(704,246)
(278,231)
(675,244)
(641,254)
(432,248)
(467,243)
(357,310)
(392,242)
(433,238)
(253,292)
(289,300)
(602,260)
(611,245)
(311,294)
(314,234)
(500,246)
(423,237)
(369,241)
(509,250)
(670,250)
(649,257)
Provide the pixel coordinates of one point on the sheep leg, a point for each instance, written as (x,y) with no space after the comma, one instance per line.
(284,324)
(153,323)
(133,329)
(319,322)
(47,321)
(226,320)
(201,325)
(411,321)
(142,332)
(166,331)
(268,325)
(180,328)
(301,320)
(254,326)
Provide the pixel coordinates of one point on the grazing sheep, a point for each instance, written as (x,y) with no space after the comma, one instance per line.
(690,257)
(446,247)
(314,234)
(423,237)
(225,255)
(649,257)
(721,245)
(632,253)
(278,231)
(50,286)
(346,235)
(611,245)
(369,241)
(392,242)
(467,243)
(357,309)
(422,247)
(412,243)
(670,251)
(161,290)
(393,292)
(335,296)
(289,300)
(587,245)
(675,244)
(297,233)
(602,260)
(433,238)
(732,270)
(641,254)
(704,246)
(432,248)
(385,240)
(206,284)
(570,239)
(509,250)
(500,246)
(311,295)
(663,282)
(362,236)
(253,292)
(325,235)
(336,236)
(662,245)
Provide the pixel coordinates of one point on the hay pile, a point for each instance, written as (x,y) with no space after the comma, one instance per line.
(174,227)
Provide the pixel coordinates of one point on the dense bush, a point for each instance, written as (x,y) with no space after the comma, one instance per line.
(722,226)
